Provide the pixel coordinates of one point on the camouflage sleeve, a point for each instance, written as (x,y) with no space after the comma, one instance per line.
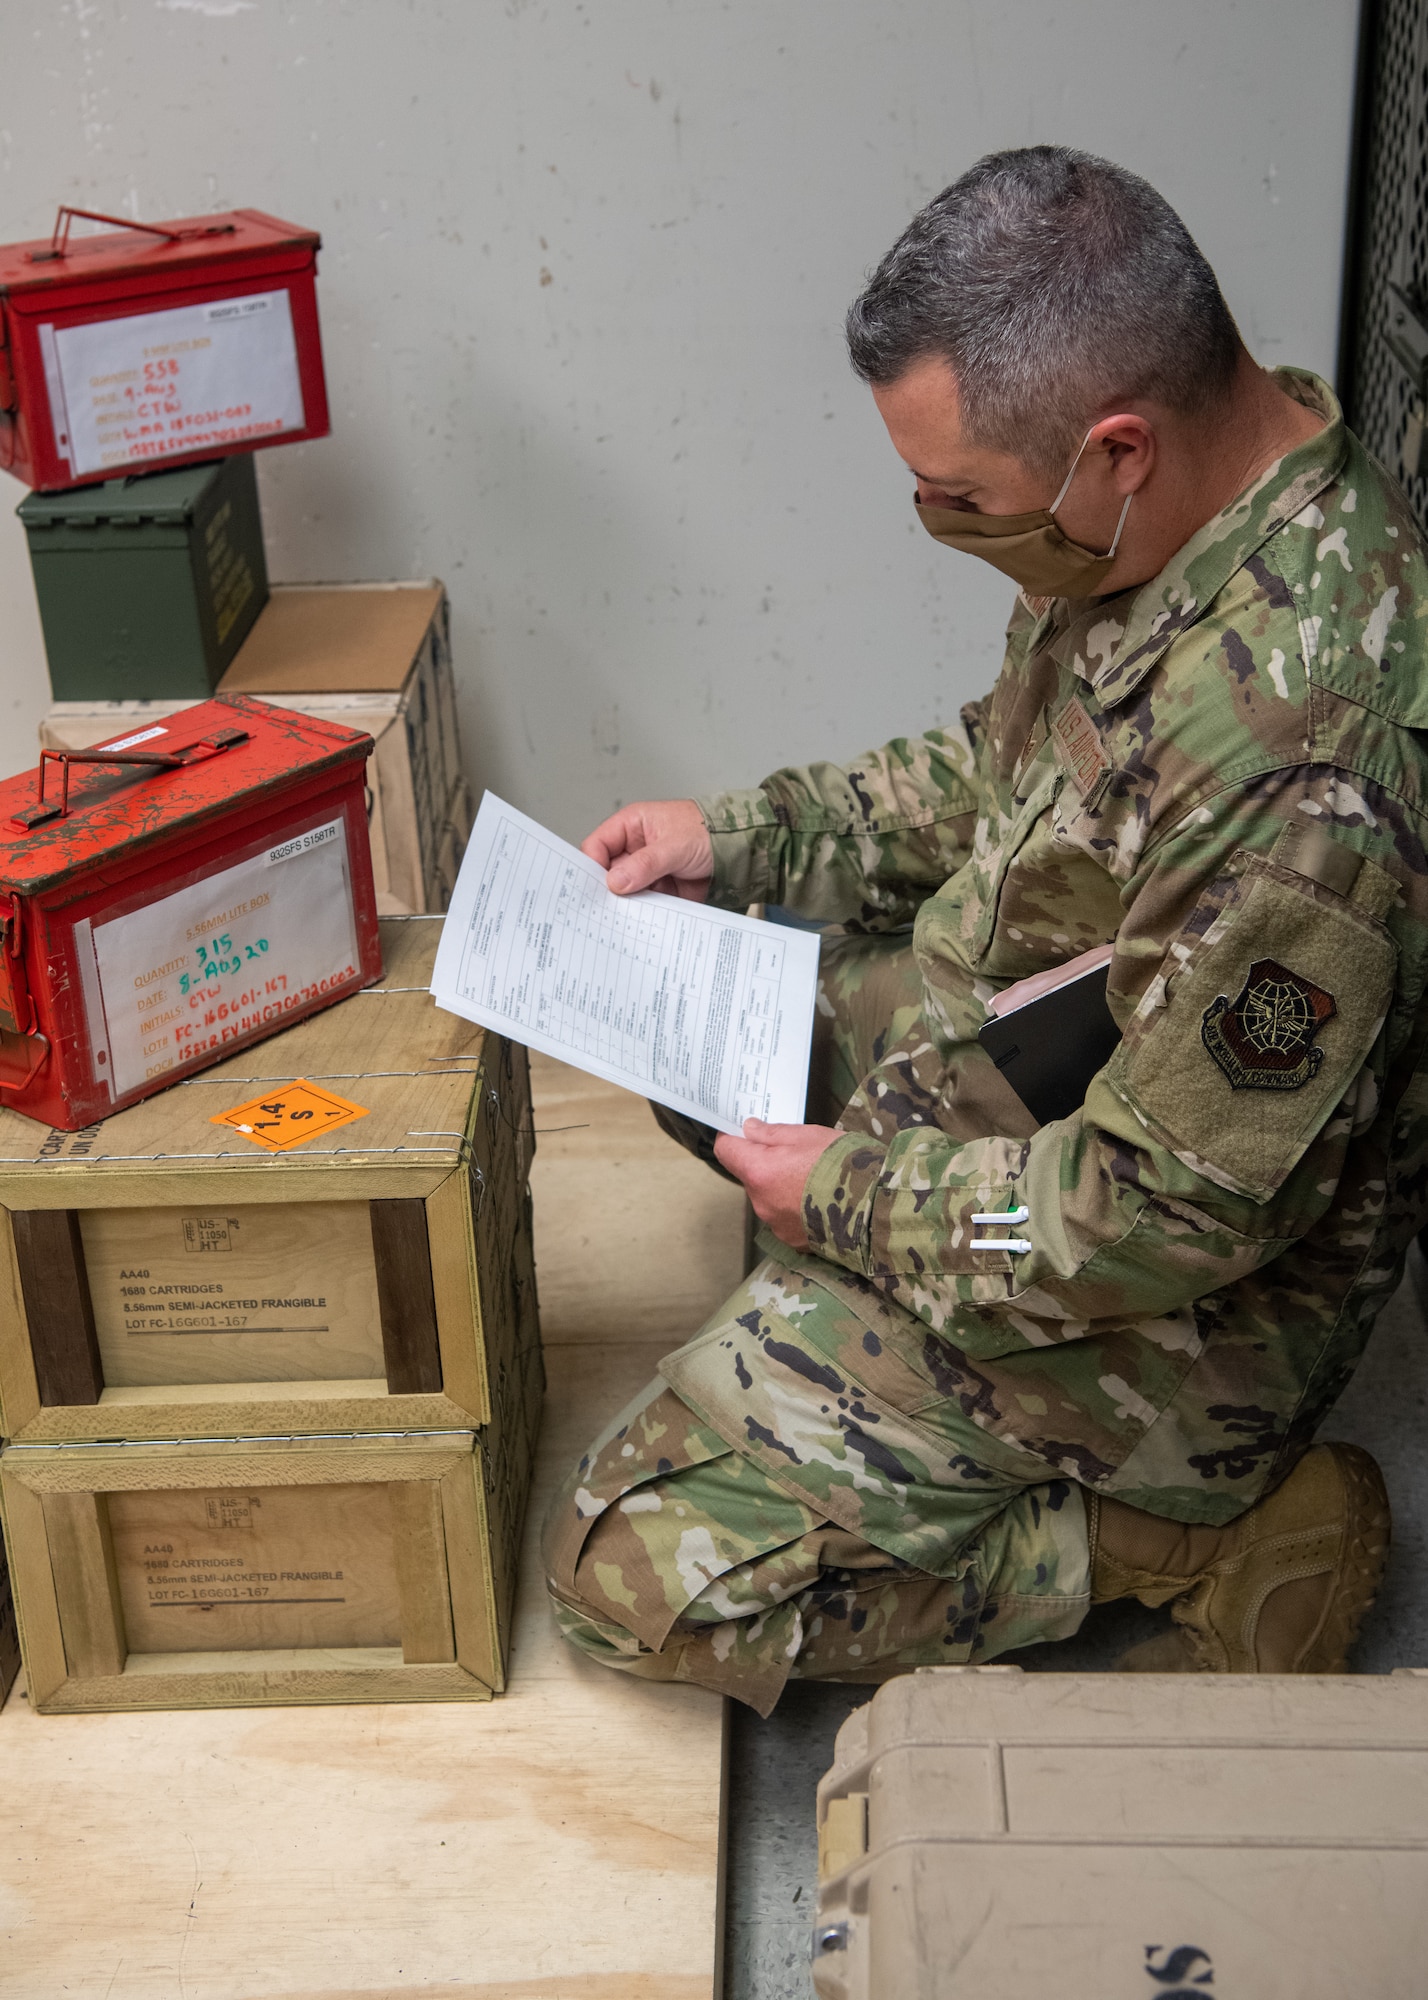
(1253,974)
(866,844)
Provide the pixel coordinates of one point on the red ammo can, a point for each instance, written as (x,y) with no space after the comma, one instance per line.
(173,895)
(163,344)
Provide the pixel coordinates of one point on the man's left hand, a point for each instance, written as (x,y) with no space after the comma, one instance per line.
(774,1162)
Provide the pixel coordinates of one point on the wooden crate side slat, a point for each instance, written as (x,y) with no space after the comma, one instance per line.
(55,1289)
(19,1391)
(392,770)
(473,1602)
(9,1640)
(264,1687)
(86,1583)
(423,1587)
(455,1291)
(406,1299)
(32,1581)
(205,1462)
(99,1184)
(157,1414)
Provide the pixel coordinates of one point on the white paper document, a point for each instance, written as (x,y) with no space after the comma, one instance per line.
(703,1010)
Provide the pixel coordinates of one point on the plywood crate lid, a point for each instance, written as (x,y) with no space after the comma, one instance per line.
(412,1066)
(335,638)
(989,1831)
(79,725)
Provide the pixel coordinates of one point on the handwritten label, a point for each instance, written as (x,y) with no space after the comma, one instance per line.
(215,962)
(289,1115)
(194,378)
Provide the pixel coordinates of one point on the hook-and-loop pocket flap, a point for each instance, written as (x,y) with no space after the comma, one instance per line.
(1236,1062)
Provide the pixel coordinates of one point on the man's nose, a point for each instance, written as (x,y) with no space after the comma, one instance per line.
(934,496)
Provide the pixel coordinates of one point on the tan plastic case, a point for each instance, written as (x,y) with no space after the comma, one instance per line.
(985,1832)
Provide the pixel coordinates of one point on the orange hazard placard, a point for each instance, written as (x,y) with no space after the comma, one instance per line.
(289,1115)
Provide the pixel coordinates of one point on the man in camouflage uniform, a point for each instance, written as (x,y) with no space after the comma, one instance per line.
(895,1446)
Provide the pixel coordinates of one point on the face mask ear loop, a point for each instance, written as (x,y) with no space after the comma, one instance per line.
(1066,488)
(1066,482)
(1119,525)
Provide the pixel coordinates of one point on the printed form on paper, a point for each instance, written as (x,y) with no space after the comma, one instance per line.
(704,1010)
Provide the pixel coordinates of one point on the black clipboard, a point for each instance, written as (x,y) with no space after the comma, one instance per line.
(1049,1049)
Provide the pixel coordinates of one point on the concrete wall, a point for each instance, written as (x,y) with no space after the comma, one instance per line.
(584,273)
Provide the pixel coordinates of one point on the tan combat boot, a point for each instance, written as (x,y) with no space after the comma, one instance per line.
(1282,1590)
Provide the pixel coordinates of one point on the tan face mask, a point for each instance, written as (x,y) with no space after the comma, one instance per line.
(1029,548)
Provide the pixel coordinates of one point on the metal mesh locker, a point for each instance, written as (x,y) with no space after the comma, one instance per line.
(1384,369)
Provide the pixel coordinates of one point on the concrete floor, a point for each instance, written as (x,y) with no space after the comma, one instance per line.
(776,1765)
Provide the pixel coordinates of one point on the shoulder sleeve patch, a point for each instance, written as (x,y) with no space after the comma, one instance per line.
(1264,1038)
(1278,999)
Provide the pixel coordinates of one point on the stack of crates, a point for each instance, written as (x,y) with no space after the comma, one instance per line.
(267,1410)
(270,1413)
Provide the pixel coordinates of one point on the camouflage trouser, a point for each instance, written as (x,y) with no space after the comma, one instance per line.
(744,1554)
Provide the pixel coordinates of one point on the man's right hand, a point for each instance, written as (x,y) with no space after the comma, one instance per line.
(662,844)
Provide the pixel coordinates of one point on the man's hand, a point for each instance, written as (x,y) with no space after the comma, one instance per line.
(774,1162)
(662,844)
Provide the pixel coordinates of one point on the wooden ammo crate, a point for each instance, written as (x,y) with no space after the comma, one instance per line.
(224,1573)
(162,1276)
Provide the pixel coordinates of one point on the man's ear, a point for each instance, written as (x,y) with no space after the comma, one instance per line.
(1129,443)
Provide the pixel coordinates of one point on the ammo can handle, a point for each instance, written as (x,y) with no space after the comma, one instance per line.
(44,810)
(59,240)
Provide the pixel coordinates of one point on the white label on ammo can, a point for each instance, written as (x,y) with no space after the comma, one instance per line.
(223,958)
(139,736)
(304,843)
(195,378)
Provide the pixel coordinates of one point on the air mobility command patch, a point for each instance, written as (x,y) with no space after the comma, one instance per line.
(1264,1040)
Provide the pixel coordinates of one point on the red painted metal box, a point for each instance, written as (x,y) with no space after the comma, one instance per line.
(160,344)
(172,895)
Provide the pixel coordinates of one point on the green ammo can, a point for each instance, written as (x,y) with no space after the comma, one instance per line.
(148,585)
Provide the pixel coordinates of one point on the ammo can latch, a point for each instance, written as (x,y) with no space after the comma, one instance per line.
(17,1009)
(7,372)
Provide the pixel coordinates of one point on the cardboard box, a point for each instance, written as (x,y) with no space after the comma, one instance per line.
(165,1276)
(147,586)
(226,1573)
(372,656)
(1126,1837)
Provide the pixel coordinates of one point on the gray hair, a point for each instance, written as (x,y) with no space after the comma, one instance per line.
(1054,284)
